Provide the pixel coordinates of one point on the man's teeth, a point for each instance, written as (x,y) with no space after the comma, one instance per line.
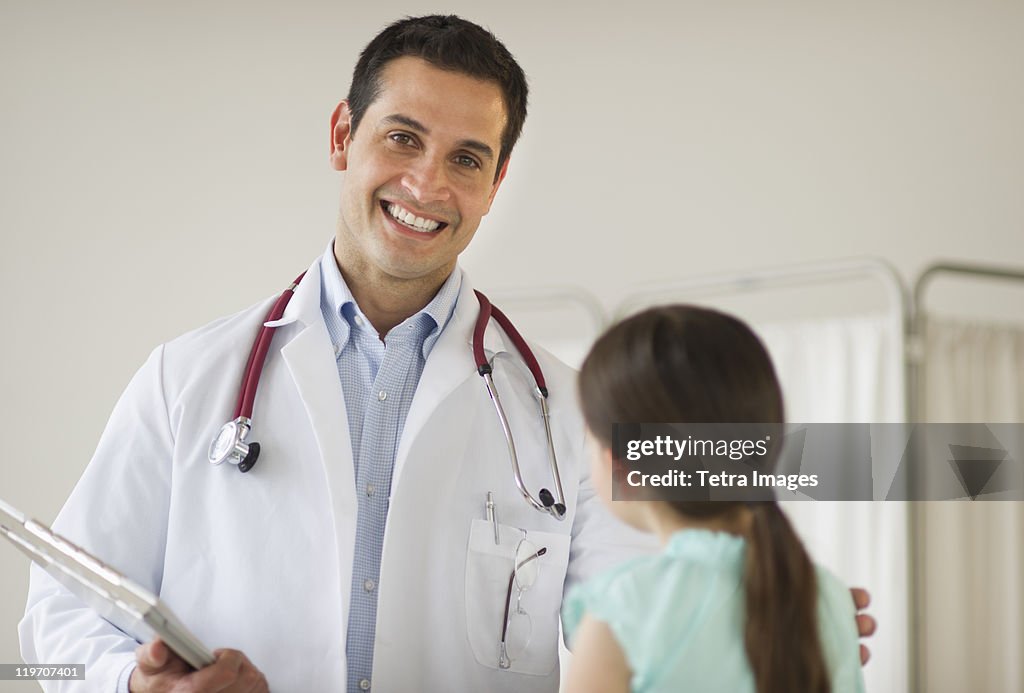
(410,219)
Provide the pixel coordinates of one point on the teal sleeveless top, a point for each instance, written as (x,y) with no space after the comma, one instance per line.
(679,617)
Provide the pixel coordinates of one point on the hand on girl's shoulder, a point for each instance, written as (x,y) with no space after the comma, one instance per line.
(838,628)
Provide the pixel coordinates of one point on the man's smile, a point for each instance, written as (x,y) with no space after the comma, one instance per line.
(411,220)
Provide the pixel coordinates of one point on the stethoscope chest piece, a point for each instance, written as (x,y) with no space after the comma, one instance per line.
(230,445)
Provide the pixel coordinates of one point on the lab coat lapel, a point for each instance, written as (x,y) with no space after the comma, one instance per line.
(309,356)
(449,364)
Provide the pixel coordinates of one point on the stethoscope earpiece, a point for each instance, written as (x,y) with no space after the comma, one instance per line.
(556,509)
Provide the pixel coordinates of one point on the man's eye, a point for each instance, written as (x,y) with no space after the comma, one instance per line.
(467,161)
(401,138)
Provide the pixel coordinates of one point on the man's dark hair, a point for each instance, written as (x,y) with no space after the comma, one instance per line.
(449,43)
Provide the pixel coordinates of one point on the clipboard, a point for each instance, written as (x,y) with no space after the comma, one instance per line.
(126,604)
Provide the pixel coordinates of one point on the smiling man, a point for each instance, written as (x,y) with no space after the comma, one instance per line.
(380,541)
(428,160)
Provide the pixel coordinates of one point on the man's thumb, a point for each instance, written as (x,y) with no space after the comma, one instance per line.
(154,655)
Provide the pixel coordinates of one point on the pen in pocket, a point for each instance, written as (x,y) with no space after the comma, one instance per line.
(492,517)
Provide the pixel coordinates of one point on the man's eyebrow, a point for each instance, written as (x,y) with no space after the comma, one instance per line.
(411,123)
(478,147)
(475,145)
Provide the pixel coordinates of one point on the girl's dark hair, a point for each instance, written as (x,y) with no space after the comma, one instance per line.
(684,364)
(450,43)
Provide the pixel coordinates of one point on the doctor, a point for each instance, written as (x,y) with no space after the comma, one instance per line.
(358,553)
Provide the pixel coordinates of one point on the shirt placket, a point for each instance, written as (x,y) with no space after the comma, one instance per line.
(382,423)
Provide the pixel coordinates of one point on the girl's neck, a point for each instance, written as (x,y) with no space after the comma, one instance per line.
(662,519)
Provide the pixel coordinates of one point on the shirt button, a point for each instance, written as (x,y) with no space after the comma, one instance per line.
(368,585)
(382,395)
(364,684)
(359,321)
(369,489)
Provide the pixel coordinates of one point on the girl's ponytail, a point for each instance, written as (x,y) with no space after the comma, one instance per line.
(782,641)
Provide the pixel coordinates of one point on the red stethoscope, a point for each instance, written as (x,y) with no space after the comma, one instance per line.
(230,445)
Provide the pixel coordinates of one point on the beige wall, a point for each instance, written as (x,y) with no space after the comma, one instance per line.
(164,164)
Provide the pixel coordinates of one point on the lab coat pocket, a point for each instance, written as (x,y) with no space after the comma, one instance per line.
(488,569)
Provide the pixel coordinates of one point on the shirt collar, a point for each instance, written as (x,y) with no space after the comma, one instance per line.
(342,312)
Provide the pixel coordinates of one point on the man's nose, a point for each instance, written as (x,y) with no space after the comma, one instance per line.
(427,180)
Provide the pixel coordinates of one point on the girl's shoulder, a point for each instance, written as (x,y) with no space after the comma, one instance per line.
(604,595)
(623,593)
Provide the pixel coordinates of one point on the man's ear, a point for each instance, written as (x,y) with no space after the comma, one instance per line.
(497,183)
(341,136)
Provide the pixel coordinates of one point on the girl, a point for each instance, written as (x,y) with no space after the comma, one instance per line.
(733,603)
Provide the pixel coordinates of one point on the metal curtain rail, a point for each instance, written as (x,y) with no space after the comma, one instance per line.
(779,277)
(987,271)
(919,315)
(828,272)
(915,395)
(548,298)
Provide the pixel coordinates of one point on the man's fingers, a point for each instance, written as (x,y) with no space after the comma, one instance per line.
(251,680)
(160,669)
(223,673)
(154,656)
(154,660)
(865,625)
(246,677)
(151,655)
(861,598)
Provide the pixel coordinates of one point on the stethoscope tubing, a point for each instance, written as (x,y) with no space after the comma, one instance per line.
(548,503)
(230,443)
(487,311)
(258,354)
(546,415)
(510,442)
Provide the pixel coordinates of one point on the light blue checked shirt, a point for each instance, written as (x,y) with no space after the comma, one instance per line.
(379,380)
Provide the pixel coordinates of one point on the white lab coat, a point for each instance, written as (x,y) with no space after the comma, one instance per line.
(262,562)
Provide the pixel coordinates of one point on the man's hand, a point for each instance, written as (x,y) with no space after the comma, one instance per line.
(158,670)
(865,624)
